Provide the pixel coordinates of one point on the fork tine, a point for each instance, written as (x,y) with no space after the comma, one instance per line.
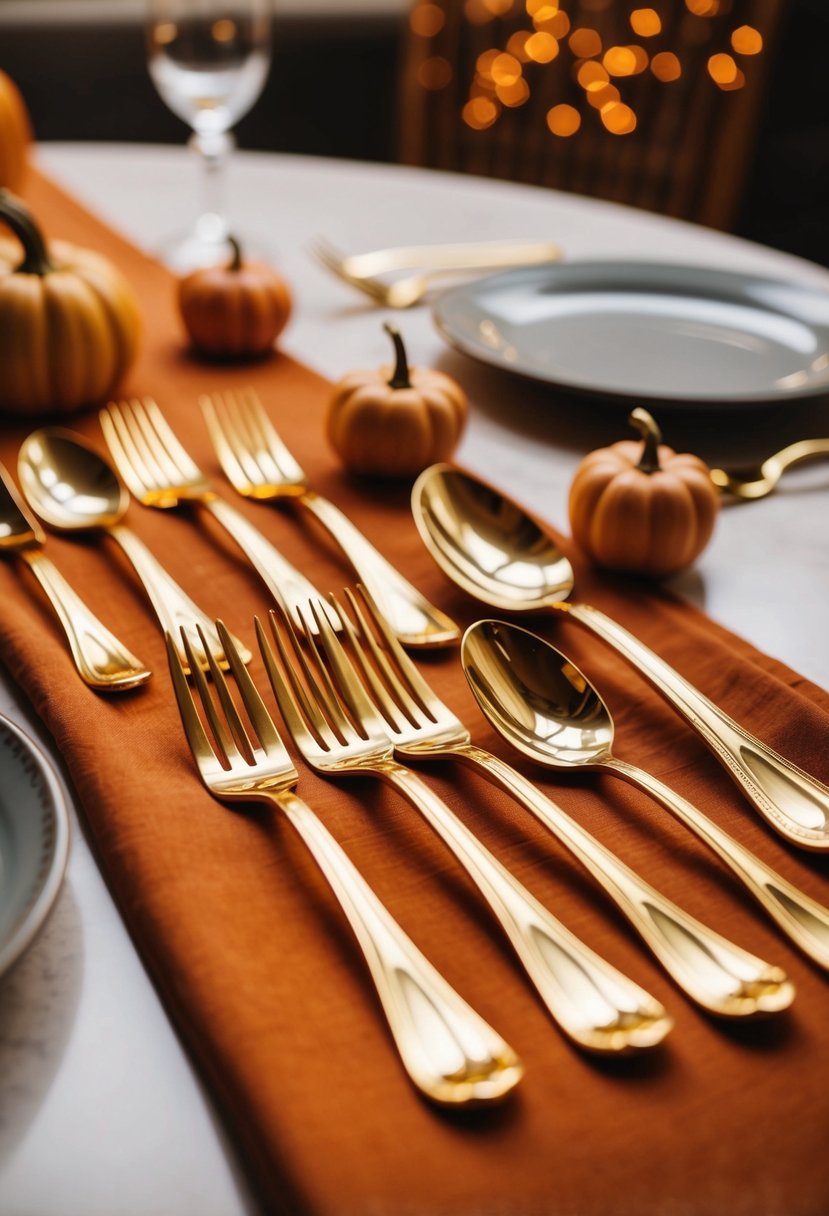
(136,471)
(230,734)
(343,679)
(265,435)
(255,708)
(234,455)
(405,682)
(290,691)
(389,708)
(200,745)
(163,440)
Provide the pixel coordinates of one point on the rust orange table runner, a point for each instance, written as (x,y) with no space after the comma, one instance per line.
(250,953)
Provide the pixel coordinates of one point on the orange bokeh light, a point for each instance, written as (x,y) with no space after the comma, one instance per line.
(434,73)
(645,22)
(542,47)
(746,40)
(666,66)
(585,43)
(426,20)
(563,120)
(618,118)
(722,69)
(480,113)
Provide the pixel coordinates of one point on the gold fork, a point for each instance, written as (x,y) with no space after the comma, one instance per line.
(437,262)
(594,1004)
(258,465)
(160,473)
(422,726)
(450,1053)
(714,972)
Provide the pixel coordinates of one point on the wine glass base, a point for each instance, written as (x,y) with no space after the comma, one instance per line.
(207,244)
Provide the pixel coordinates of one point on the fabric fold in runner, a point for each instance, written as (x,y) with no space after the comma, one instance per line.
(251,955)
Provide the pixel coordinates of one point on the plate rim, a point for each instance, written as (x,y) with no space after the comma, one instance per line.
(680,400)
(47,884)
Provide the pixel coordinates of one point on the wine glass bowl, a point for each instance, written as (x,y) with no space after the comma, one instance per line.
(208,60)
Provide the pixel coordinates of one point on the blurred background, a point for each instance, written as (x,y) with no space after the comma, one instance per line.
(348,80)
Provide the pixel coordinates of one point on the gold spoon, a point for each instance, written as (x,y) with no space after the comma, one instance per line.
(100,659)
(74,489)
(493,550)
(760,481)
(546,708)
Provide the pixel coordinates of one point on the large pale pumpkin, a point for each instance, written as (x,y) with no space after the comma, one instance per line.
(641,507)
(69,321)
(15,134)
(395,422)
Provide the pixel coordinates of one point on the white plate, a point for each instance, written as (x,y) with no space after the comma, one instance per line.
(644,331)
(34,840)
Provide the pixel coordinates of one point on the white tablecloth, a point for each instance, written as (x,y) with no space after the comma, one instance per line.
(99,1110)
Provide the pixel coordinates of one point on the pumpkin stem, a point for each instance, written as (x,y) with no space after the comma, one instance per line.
(651,436)
(235,262)
(15,215)
(400,376)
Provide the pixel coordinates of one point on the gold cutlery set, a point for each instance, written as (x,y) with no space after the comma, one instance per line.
(355,704)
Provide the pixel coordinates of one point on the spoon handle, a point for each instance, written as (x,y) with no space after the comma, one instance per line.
(717,974)
(594,1004)
(800,917)
(173,607)
(795,804)
(101,660)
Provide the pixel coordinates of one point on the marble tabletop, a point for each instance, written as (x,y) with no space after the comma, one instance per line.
(100,1111)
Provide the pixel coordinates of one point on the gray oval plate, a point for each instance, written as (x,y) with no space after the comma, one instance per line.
(34,840)
(644,331)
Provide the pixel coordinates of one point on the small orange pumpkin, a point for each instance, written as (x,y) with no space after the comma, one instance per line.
(69,321)
(395,422)
(642,508)
(235,311)
(15,134)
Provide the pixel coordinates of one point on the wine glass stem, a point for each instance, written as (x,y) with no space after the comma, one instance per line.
(213,147)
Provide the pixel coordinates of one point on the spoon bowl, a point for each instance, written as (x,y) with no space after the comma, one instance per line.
(548,710)
(70,485)
(490,547)
(75,489)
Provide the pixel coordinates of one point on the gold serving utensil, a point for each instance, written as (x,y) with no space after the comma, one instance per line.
(595,1004)
(321,698)
(718,975)
(436,263)
(450,1053)
(102,662)
(259,466)
(489,546)
(74,489)
(546,708)
(161,474)
(758,481)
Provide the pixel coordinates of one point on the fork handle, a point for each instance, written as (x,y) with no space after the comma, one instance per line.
(173,607)
(795,804)
(291,589)
(451,1054)
(593,1002)
(413,619)
(717,974)
(101,660)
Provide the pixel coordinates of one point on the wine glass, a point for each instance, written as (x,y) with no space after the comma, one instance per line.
(208,60)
